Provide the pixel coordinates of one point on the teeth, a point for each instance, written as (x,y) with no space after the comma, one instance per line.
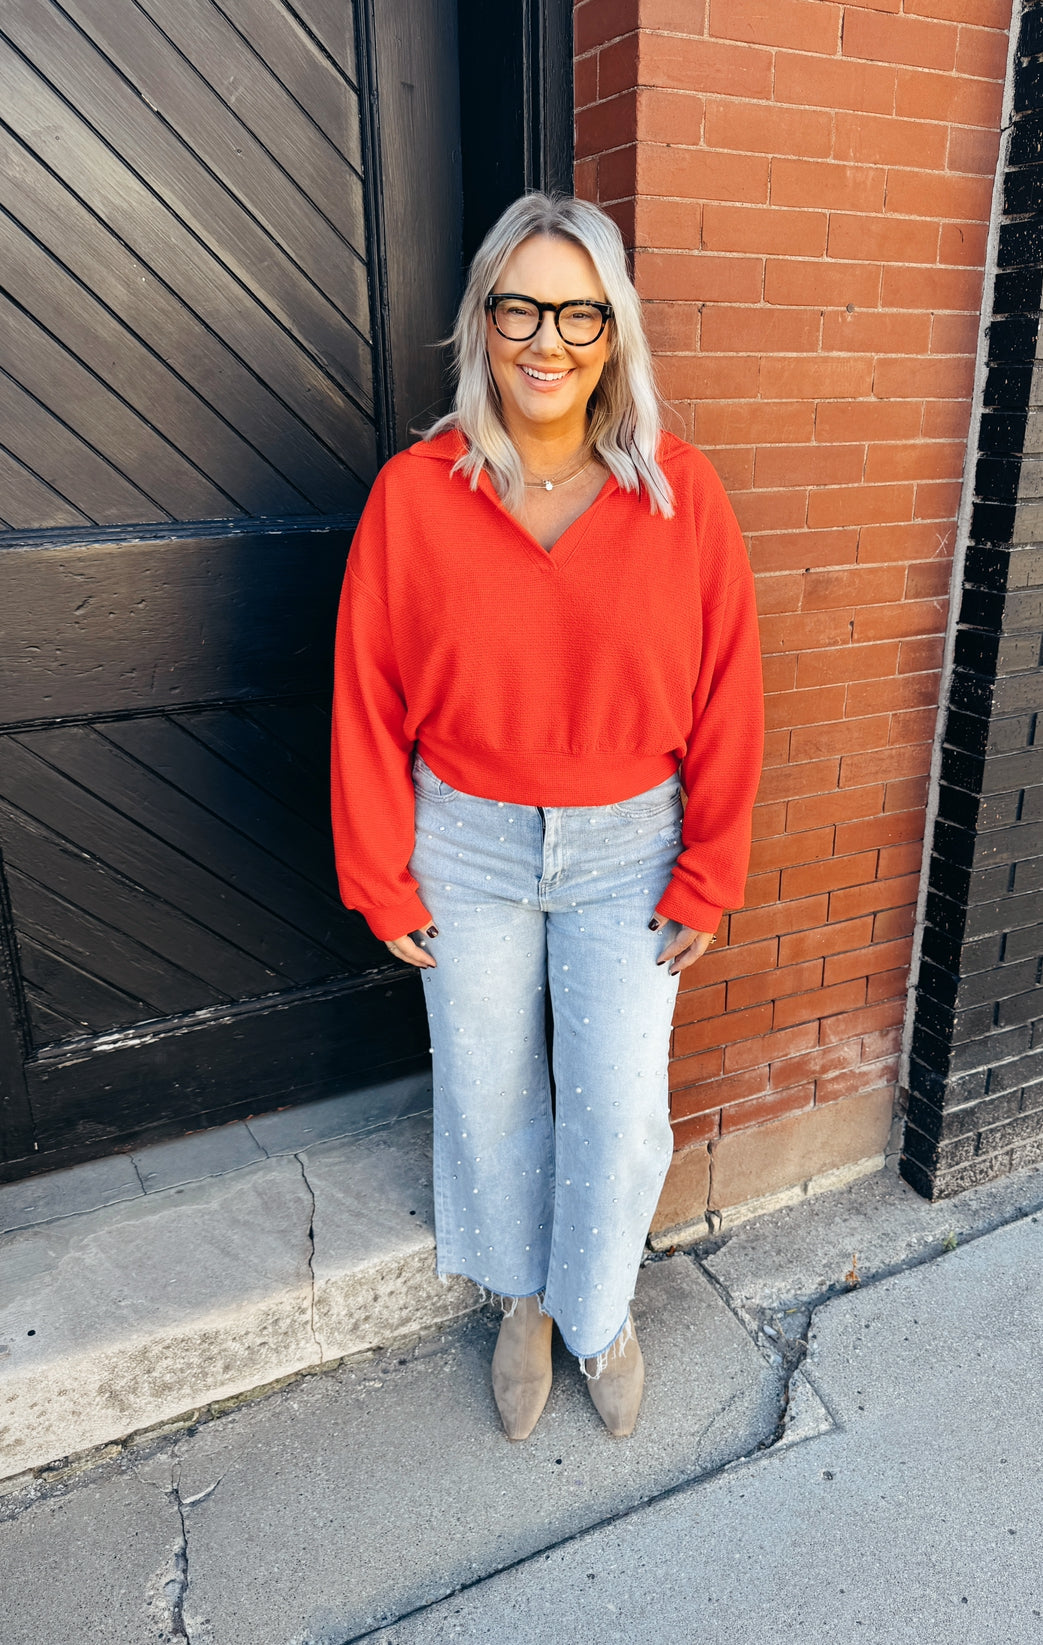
(544,376)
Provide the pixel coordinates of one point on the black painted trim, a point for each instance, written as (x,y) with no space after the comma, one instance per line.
(516,106)
(976,1058)
(552,102)
(292,1048)
(376,254)
(16,1120)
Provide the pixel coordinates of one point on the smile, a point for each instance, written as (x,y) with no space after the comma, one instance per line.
(545,376)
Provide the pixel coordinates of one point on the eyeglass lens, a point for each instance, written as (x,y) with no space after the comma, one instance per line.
(518,320)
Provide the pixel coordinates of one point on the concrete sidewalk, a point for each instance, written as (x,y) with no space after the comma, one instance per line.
(890,1488)
(914,1515)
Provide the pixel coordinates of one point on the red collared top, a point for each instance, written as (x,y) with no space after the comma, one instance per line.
(582,676)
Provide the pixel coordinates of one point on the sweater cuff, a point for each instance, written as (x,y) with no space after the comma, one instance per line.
(398,920)
(680,904)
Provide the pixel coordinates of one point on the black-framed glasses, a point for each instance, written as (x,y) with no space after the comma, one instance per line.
(518,317)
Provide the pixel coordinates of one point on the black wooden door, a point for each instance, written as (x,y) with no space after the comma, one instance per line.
(230,229)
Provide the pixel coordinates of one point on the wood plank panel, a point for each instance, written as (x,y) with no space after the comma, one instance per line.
(55,377)
(179,92)
(273,765)
(272,437)
(308,73)
(332,23)
(122,115)
(85,1000)
(245,85)
(52,1024)
(283,335)
(94,826)
(117,628)
(93,334)
(186,824)
(64,461)
(28,501)
(85,882)
(84,946)
(163,746)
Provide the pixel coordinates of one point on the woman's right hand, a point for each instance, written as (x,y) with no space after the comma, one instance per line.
(404,948)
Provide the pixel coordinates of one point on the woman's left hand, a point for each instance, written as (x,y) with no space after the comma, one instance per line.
(687,947)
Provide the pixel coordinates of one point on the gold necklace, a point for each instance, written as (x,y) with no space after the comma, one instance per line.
(549,485)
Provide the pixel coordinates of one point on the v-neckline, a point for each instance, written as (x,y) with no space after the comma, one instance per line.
(563,547)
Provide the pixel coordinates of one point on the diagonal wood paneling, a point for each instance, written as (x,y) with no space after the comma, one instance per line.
(44,443)
(123,364)
(36,791)
(176,488)
(28,501)
(196,198)
(182,933)
(308,69)
(251,432)
(331,23)
(160,865)
(184,319)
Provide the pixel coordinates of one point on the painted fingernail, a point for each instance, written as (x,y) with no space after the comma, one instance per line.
(432,930)
(654,923)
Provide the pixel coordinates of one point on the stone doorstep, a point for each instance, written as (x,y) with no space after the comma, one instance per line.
(117,1316)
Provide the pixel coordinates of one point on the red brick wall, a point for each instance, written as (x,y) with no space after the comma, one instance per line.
(806,186)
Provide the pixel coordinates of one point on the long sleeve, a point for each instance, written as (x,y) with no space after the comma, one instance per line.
(722,764)
(371,781)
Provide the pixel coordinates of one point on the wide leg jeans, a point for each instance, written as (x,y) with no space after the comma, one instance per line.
(529,899)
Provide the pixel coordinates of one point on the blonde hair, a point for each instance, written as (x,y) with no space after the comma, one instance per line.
(624,409)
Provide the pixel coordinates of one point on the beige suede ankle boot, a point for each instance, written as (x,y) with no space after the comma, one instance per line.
(522,1368)
(617,1391)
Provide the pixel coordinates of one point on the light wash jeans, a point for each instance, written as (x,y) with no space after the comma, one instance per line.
(526,898)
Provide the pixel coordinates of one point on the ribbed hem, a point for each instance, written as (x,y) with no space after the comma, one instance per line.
(680,904)
(537,777)
(397,921)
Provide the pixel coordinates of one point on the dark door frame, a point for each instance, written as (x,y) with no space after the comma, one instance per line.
(401,112)
(516,106)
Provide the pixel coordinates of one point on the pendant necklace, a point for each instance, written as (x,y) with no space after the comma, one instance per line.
(550,485)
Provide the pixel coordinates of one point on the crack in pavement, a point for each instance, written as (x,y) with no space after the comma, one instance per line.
(783,1353)
(380,1629)
(766,1323)
(311,1258)
(786,1354)
(173,1587)
(176,1586)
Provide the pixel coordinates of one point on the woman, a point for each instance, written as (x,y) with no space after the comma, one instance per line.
(547,631)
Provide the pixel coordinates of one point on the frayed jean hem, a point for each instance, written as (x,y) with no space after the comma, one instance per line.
(614,1349)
